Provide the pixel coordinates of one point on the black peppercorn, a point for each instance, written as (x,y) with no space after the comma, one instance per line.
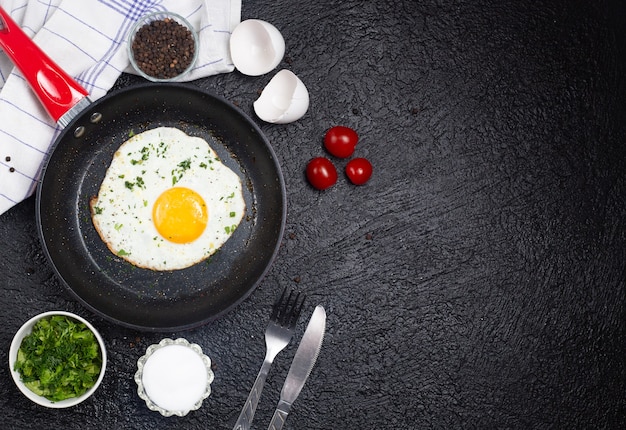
(163,49)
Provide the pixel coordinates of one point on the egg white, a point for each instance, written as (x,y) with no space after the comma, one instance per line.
(145,166)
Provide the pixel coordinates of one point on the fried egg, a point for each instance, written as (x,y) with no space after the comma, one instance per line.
(167,201)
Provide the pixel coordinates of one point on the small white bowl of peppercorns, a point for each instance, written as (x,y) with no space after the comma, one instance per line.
(162,46)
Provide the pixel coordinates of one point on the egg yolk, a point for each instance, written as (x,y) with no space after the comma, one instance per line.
(180,215)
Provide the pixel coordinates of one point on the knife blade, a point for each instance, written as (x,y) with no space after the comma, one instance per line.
(300,369)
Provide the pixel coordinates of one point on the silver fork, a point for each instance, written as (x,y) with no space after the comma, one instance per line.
(283,318)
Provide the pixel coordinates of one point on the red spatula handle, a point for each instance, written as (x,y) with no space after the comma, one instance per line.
(56,90)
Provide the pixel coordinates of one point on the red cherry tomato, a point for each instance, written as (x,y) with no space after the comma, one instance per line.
(359,171)
(340,141)
(321,173)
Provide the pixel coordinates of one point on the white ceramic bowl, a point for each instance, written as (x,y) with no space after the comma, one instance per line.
(158,16)
(15,346)
(174,377)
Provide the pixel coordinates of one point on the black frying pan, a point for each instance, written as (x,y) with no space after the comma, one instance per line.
(142,298)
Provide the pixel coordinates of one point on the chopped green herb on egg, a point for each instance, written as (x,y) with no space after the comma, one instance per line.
(230,228)
(178,172)
(230,196)
(139,182)
(162,149)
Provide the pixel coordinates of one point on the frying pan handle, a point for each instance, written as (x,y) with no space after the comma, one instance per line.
(56,90)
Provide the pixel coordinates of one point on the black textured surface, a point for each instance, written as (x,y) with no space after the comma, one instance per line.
(477,281)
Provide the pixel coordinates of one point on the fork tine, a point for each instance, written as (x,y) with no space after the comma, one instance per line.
(295,310)
(276,309)
(287,308)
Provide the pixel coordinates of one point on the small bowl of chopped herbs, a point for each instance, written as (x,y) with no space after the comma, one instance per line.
(162,46)
(57,359)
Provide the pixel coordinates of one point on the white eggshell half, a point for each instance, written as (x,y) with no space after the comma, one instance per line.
(256,47)
(284,99)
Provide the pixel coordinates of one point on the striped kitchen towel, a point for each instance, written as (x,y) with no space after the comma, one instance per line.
(87,38)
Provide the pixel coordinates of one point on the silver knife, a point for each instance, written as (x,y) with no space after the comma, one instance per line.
(303,362)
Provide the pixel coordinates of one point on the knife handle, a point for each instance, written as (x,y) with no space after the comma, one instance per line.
(247,413)
(280,415)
